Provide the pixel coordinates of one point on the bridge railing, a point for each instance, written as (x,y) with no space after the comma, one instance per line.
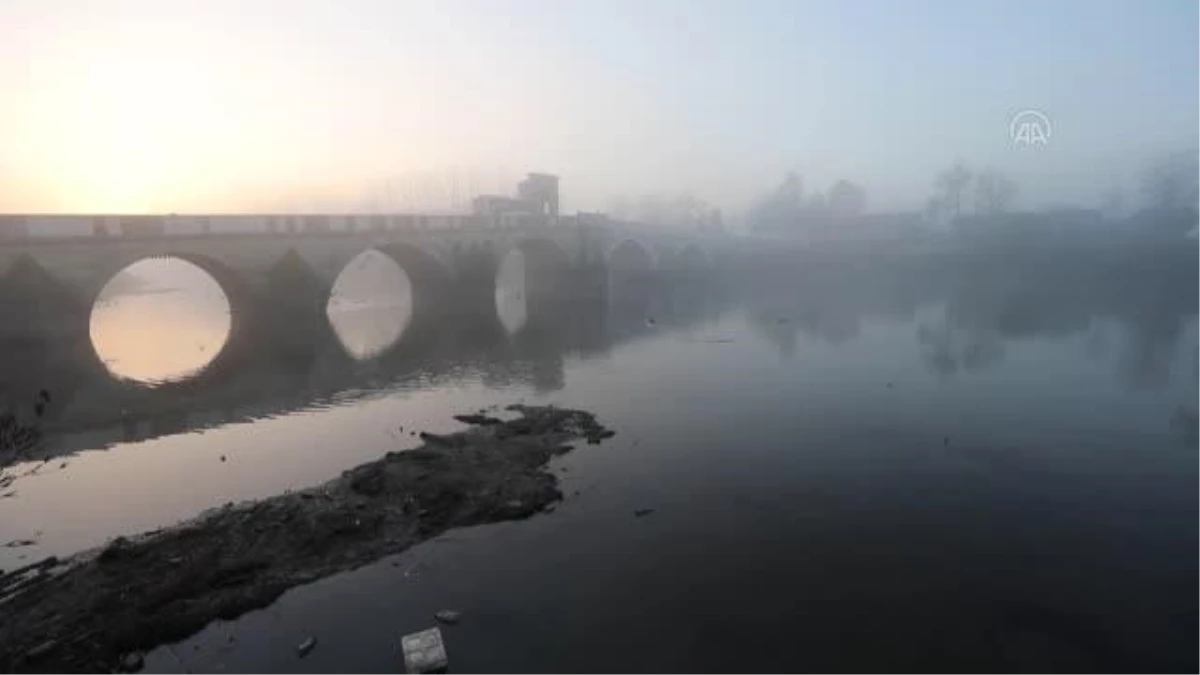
(59,227)
(26,229)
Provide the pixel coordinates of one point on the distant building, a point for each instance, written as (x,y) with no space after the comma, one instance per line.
(537,197)
(540,190)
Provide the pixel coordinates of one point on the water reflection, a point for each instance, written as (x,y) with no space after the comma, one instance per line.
(1035,486)
(1148,349)
(371,305)
(511,292)
(948,348)
(1130,314)
(1136,309)
(159,321)
(276,361)
(953,321)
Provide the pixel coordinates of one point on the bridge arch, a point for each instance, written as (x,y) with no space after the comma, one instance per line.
(630,255)
(413,285)
(90,284)
(240,312)
(370,305)
(532,275)
(689,259)
(422,267)
(542,255)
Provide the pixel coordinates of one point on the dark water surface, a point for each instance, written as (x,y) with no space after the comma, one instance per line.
(906,471)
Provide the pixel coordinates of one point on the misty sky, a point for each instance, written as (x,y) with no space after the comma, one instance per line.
(219,105)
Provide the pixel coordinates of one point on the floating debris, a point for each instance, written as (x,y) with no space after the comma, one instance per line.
(132,662)
(448,616)
(424,652)
(479,420)
(307,646)
(35,654)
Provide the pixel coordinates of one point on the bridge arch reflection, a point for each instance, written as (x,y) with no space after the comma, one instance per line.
(209,306)
(277,364)
(532,273)
(370,304)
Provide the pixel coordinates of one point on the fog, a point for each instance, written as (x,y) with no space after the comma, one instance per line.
(138,106)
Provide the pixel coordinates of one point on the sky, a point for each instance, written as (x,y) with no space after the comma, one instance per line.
(144,106)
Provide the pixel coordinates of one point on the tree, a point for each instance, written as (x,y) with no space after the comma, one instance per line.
(715,222)
(951,184)
(687,211)
(846,199)
(681,211)
(790,193)
(1172,181)
(994,192)
(817,204)
(780,210)
(934,208)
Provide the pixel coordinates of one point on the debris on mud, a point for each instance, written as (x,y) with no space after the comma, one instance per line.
(448,616)
(87,612)
(132,662)
(18,438)
(424,652)
(480,419)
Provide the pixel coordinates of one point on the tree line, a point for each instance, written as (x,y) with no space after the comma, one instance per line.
(1169,187)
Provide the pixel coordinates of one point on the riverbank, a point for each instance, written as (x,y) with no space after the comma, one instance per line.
(92,611)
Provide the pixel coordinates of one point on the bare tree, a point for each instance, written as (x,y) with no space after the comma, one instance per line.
(684,210)
(1172,181)
(951,184)
(817,204)
(846,199)
(716,222)
(782,209)
(994,192)
(934,208)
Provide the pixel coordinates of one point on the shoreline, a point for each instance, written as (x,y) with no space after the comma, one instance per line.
(90,611)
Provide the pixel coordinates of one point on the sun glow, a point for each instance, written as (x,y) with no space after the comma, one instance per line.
(119,133)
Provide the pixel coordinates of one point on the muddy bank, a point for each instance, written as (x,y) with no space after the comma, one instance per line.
(87,612)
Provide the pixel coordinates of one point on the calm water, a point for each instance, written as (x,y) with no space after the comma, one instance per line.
(918,469)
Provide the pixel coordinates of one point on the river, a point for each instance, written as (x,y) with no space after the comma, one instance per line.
(942,467)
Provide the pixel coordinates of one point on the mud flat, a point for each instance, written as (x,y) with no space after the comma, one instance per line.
(99,609)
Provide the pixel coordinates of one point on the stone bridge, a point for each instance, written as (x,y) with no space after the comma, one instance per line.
(48,275)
